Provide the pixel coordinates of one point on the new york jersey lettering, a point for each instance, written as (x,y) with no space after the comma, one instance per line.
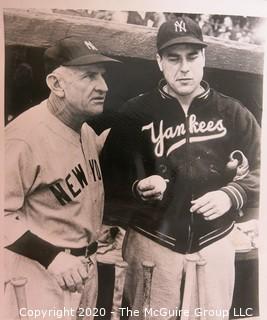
(74,182)
(95,169)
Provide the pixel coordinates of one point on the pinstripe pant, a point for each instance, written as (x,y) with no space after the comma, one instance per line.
(168,273)
(43,293)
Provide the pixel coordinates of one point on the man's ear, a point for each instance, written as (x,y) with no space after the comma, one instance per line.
(159,60)
(55,85)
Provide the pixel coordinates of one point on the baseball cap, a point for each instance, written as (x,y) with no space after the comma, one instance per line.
(72,51)
(182,30)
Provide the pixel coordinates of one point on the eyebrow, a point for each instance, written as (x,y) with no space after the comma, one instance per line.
(173,54)
(195,51)
(92,72)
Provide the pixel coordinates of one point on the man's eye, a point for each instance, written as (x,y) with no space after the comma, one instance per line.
(173,59)
(91,75)
(193,56)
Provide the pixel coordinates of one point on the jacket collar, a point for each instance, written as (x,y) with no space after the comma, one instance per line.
(203,96)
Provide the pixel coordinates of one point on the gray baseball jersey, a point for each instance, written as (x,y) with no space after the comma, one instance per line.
(53,184)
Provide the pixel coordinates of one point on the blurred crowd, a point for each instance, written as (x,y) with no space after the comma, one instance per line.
(237,28)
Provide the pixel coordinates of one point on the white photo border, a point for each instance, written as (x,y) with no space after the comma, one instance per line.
(230,7)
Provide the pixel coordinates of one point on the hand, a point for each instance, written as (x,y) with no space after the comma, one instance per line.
(70,271)
(212,205)
(151,188)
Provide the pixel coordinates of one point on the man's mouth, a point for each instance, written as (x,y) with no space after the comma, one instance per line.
(99,99)
(185,79)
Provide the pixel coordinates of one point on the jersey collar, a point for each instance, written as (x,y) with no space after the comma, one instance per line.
(203,96)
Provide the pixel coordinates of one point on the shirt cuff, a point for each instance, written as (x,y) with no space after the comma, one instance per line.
(237,195)
(134,190)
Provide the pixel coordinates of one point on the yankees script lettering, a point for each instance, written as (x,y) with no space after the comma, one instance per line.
(195,127)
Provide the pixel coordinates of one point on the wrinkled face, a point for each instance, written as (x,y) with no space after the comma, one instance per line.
(182,66)
(84,89)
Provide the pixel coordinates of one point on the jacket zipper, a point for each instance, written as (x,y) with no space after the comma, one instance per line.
(189,175)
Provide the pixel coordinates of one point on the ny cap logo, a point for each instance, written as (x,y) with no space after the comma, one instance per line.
(180,26)
(90,46)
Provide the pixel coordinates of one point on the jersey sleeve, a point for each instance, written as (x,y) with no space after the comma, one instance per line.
(20,174)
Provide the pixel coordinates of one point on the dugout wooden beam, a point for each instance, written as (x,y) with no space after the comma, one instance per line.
(41,28)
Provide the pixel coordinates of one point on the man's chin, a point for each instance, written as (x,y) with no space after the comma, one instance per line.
(95,110)
(186,91)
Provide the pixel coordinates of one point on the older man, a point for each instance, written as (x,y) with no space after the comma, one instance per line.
(170,169)
(53,186)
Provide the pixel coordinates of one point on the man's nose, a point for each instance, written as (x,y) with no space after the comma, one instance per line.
(101,84)
(184,66)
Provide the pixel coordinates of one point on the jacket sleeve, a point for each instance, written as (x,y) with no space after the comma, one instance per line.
(121,167)
(245,192)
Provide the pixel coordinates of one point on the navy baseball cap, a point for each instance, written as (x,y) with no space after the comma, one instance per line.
(182,30)
(72,51)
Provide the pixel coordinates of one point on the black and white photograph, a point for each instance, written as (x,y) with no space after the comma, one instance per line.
(133,161)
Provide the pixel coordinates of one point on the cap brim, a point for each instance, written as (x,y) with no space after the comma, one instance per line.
(90,59)
(183,40)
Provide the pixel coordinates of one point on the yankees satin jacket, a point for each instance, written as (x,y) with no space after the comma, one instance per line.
(191,151)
